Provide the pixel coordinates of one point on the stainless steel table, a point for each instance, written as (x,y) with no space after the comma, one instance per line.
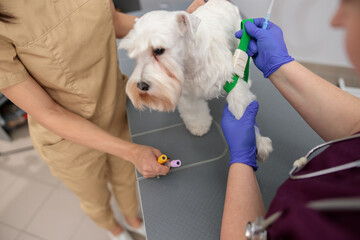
(188,202)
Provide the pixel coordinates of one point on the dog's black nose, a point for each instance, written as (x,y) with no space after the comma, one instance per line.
(143,86)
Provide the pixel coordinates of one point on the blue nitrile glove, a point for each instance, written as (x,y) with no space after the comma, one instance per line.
(240,135)
(266,47)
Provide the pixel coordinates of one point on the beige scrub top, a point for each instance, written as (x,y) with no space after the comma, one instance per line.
(69,48)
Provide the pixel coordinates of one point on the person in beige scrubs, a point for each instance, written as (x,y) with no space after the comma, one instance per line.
(58,62)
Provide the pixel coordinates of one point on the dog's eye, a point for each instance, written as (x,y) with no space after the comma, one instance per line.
(158,51)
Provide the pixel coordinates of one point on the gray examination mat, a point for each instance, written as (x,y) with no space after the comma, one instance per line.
(188,202)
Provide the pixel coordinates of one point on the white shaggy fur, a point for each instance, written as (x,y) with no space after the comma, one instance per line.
(185,59)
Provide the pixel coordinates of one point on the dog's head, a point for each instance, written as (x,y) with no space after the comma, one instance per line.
(157,41)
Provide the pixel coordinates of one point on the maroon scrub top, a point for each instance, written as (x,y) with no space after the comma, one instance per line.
(300,222)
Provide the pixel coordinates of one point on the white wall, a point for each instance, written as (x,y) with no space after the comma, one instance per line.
(306,26)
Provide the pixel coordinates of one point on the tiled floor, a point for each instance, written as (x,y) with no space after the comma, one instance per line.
(34,205)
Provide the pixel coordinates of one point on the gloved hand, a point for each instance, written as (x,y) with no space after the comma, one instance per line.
(240,135)
(266,47)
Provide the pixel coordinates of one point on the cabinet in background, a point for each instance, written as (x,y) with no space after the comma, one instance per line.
(11,117)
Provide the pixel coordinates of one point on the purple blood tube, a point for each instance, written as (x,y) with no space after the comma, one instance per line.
(173,163)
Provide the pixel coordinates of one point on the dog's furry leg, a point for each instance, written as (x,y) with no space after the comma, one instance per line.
(195,114)
(239,98)
(264,146)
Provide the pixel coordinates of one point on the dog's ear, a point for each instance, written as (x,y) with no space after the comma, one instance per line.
(188,23)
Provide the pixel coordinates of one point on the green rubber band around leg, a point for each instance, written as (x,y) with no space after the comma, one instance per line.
(244,44)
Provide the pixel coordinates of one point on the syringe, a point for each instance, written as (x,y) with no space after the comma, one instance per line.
(268,15)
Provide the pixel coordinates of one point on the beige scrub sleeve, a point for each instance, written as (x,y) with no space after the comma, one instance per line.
(11,69)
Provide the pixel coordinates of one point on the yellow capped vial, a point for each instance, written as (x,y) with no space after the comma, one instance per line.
(162,159)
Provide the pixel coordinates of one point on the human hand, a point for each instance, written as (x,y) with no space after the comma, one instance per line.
(240,135)
(266,47)
(195,5)
(145,161)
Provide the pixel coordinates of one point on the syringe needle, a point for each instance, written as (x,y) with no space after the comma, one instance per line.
(268,15)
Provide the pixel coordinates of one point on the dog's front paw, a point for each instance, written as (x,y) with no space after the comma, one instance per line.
(264,147)
(199,127)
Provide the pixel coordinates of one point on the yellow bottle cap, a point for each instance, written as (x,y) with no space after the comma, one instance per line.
(162,159)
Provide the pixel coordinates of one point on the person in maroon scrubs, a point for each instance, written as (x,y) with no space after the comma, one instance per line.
(324,206)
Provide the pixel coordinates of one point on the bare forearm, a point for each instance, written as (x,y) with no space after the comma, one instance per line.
(331,112)
(243,202)
(123,23)
(79,130)
(63,122)
(195,5)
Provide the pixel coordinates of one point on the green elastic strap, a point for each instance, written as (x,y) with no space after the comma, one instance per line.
(244,44)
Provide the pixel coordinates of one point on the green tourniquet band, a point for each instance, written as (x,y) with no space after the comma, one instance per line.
(244,44)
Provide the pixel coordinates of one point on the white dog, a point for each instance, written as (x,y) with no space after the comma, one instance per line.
(185,59)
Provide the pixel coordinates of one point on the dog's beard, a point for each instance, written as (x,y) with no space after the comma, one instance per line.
(163,95)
